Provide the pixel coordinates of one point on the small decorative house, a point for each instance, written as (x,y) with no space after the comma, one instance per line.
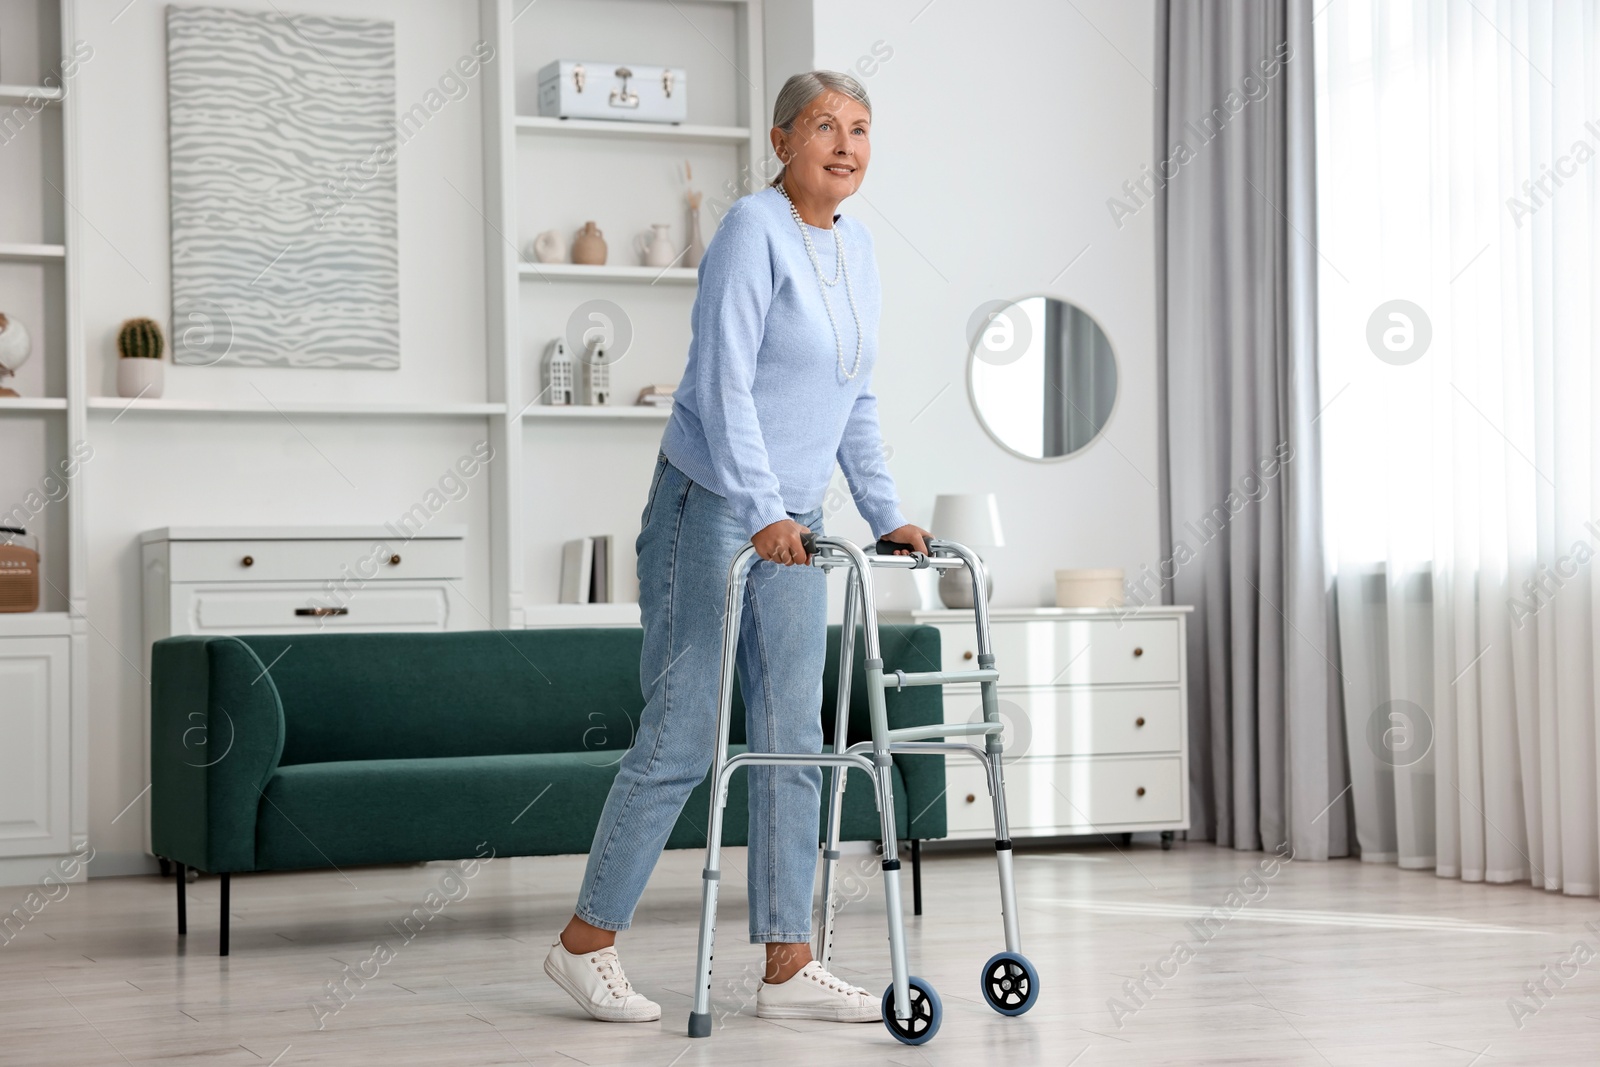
(559,387)
(597,373)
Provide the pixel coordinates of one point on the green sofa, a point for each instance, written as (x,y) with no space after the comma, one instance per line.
(333,750)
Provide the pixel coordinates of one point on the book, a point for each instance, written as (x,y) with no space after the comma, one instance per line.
(577,568)
(600,571)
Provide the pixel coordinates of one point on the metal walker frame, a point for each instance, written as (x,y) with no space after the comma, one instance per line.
(874,757)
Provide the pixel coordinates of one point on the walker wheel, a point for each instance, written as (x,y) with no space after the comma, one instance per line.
(1010,984)
(926,1012)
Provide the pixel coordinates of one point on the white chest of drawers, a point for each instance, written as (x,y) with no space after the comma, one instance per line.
(299,579)
(286,579)
(1095,706)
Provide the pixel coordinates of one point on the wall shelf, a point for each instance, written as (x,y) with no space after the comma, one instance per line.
(45,654)
(13,404)
(28,253)
(644,131)
(556,272)
(372,409)
(648,412)
(543,172)
(20,94)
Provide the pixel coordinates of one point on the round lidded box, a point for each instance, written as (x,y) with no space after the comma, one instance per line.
(1089,587)
(19,571)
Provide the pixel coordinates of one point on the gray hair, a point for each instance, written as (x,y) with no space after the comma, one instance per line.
(801,89)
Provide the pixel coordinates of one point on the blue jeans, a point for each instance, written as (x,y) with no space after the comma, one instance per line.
(687,540)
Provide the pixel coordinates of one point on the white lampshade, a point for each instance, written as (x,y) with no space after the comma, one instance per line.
(971,519)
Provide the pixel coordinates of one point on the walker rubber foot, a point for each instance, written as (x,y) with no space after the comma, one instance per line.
(699,1024)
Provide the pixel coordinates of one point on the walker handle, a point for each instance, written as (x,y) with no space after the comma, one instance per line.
(808,541)
(886,547)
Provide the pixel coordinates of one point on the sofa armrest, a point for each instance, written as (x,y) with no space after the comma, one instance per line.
(916,648)
(216,735)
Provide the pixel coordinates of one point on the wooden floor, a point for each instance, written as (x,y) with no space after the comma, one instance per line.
(1331,963)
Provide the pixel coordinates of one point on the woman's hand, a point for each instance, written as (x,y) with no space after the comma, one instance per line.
(780,542)
(912,535)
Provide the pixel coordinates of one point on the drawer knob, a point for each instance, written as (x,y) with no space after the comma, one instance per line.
(971,797)
(966,655)
(1137,652)
(1139,721)
(248,561)
(321,613)
(1139,792)
(394,561)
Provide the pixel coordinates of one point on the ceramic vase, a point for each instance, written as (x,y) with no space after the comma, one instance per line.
(589,247)
(550,247)
(655,247)
(697,246)
(140,378)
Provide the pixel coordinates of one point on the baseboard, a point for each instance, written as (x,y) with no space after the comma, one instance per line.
(23,871)
(121,864)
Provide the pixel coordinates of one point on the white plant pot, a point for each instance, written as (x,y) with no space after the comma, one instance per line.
(140,378)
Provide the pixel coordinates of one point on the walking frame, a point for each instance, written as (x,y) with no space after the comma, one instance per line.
(911,1007)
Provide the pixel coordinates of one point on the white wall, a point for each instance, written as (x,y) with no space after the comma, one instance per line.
(999,131)
(150,471)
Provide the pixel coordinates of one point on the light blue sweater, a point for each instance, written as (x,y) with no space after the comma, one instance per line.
(763,411)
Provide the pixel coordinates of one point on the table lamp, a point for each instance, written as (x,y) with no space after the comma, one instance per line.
(971,519)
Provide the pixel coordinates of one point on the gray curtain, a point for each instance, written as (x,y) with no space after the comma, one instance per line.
(1236,335)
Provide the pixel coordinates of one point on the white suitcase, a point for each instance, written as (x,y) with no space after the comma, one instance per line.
(583,89)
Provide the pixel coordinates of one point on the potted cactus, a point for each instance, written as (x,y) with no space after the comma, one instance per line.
(139,371)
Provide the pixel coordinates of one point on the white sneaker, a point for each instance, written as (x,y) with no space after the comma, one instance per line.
(596,982)
(813,993)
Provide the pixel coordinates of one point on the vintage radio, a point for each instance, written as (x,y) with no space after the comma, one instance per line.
(19,570)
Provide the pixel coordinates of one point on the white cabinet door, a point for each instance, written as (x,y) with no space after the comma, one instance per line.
(34,762)
(288,607)
(1067,794)
(1097,651)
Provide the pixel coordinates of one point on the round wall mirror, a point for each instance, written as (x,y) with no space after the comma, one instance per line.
(1041,376)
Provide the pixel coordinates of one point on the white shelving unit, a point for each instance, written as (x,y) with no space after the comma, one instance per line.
(580,411)
(545,173)
(539,174)
(734,135)
(44,681)
(32,253)
(371,409)
(11,405)
(577,272)
(23,94)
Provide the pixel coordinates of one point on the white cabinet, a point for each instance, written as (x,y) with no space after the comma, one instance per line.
(300,579)
(226,580)
(35,763)
(1095,706)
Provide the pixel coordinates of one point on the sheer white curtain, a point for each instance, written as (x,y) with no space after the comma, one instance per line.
(1457,147)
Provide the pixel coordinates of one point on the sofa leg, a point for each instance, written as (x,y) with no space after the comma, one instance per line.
(183,902)
(916,876)
(222,936)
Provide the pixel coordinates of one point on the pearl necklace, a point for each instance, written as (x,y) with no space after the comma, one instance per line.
(840,271)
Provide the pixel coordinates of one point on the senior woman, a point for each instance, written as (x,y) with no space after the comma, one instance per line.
(775,391)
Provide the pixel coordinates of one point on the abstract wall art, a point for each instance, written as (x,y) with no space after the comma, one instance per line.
(285,243)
